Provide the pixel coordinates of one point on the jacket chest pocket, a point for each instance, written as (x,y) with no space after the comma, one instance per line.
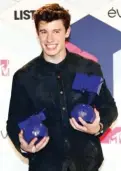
(42,91)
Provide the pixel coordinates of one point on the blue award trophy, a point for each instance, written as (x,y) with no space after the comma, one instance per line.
(33,127)
(91,85)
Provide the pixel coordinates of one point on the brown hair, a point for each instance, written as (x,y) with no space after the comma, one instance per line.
(51,12)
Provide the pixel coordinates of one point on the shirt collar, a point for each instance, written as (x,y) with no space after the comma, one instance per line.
(52,67)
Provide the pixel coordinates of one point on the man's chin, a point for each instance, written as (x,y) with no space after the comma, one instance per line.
(51,53)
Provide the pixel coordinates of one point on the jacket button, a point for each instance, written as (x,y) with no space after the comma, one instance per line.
(66,140)
(58,76)
(63,108)
(61,92)
(67,144)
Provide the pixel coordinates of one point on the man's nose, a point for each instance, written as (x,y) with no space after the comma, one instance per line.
(49,37)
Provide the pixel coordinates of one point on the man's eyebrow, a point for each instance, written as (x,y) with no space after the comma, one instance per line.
(42,30)
(58,29)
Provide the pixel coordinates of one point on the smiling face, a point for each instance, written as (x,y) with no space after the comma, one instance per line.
(52,37)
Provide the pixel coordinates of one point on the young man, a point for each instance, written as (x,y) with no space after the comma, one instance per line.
(46,83)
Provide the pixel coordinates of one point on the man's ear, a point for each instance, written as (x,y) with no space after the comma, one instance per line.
(68,32)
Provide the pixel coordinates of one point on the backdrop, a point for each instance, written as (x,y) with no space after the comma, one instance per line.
(96,34)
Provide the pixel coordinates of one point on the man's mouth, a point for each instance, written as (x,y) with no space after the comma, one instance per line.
(51,46)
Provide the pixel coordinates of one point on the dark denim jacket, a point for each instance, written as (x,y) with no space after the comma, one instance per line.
(43,85)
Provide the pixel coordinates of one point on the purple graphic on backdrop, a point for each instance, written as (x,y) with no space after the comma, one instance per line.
(99,39)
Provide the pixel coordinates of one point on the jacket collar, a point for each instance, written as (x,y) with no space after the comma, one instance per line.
(43,67)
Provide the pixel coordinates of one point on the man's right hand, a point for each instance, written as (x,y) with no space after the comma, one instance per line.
(31,147)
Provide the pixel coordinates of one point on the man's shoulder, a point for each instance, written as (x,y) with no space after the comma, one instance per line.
(27,68)
(86,64)
(79,59)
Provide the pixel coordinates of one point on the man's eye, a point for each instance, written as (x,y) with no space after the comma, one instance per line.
(56,31)
(43,32)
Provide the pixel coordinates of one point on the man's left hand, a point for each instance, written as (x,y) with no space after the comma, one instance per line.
(92,128)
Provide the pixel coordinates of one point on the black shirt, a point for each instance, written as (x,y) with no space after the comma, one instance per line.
(43,85)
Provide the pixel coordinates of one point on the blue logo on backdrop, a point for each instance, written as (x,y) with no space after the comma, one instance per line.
(100,39)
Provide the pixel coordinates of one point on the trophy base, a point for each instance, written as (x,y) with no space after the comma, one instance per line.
(39,138)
